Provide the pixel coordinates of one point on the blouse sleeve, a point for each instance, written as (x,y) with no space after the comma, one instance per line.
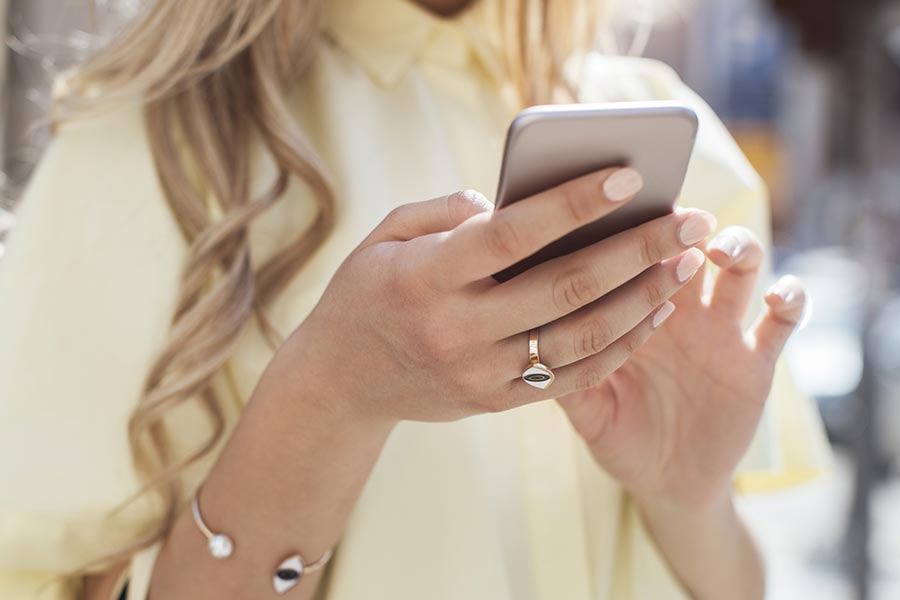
(87,289)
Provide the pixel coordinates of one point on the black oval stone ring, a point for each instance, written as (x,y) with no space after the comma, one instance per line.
(536,374)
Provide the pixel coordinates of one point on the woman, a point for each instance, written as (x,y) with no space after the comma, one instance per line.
(270,189)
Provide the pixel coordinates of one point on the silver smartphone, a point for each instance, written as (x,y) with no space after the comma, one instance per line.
(548,145)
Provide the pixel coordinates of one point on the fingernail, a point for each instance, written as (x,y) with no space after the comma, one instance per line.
(622,184)
(727,244)
(696,227)
(663,313)
(782,291)
(689,264)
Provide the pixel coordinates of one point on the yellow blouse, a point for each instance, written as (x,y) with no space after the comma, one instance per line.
(403,106)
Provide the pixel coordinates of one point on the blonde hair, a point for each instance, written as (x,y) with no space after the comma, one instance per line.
(210,75)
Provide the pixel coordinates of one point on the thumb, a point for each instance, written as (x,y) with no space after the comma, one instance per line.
(785,302)
(443,213)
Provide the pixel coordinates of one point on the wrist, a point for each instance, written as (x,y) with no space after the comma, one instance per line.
(688,498)
(297,444)
(299,435)
(303,381)
(715,509)
(707,545)
(285,482)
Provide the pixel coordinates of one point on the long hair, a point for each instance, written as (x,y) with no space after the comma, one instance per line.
(210,75)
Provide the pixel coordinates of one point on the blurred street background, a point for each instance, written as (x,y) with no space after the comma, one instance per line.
(811,91)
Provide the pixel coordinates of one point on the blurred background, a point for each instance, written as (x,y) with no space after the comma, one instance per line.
(811,91)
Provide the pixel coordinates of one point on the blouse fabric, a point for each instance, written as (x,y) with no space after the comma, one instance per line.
(402,105)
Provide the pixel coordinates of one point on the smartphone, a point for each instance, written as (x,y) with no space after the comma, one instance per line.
(549,145)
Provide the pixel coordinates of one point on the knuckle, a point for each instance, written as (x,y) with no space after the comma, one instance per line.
(581,207)
(631,343)
(594,335)
(395,215)
(588,378)
(502,239)
(654,294)
(650,250)
(574,289)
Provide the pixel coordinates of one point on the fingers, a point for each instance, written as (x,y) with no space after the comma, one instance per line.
(595,327)
(785,302)
(443,213)
(692,293)
(738,254)
(491,242)
(560,286)
(591,371)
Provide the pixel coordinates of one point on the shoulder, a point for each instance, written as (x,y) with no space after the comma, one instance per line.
(104,152)
(100,147)
(119,127)
(95,183)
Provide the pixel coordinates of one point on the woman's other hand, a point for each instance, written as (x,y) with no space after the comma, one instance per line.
(413,326)
(675,420)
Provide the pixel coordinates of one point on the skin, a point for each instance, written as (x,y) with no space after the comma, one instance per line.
(668,411)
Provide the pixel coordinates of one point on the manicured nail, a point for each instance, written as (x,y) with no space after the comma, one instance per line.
(622,184)
(689,264)
(727,244)
(696,227)
(782,291)
(662,313)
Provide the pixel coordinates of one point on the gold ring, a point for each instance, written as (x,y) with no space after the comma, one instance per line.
(536,374)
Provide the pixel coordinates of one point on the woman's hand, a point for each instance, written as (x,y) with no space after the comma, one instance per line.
(674,421)
(413,326)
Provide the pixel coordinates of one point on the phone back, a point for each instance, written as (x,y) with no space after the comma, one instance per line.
(549,145)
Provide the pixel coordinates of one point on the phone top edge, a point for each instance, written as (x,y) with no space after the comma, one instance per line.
(668,107)
(612,105)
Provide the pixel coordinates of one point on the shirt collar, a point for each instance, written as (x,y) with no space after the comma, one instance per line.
(388,36)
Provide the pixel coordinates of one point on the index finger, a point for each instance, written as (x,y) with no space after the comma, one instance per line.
(489,242)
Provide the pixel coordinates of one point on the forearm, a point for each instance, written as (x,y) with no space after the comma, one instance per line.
(285,483)
(708,548)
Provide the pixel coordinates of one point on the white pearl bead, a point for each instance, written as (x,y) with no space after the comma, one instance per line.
(221,546)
